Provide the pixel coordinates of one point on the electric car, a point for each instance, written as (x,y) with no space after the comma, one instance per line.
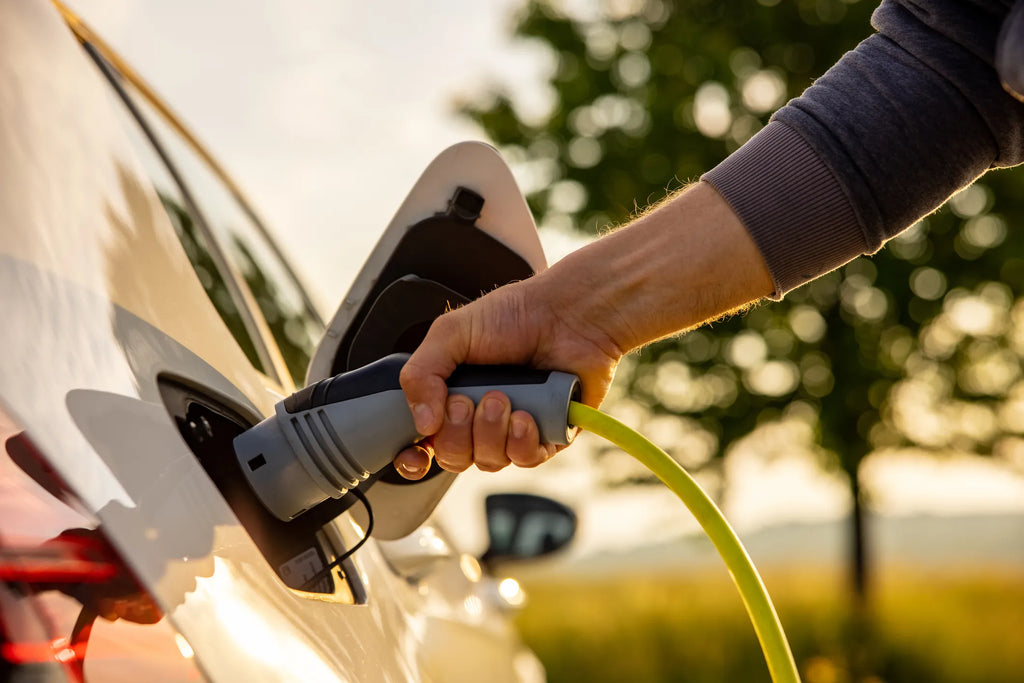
(147,320)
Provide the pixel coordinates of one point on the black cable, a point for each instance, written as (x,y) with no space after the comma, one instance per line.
(348,553)
(79,640)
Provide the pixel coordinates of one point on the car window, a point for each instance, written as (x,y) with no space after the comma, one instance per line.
(281,299)
(193,239)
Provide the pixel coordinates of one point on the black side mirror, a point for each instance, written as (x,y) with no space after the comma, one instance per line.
(522,526)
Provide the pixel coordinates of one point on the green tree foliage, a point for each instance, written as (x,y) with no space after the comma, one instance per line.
(199,255)
(920,345)
(293,328)
(652,94)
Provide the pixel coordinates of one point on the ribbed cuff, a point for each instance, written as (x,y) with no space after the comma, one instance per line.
(791,204)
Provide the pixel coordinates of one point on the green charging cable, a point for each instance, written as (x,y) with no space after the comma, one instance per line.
(755,598)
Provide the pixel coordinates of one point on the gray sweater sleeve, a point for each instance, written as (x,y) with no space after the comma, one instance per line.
(909,117)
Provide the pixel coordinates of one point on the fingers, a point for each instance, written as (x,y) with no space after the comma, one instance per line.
(490,431)
(489,436)
(413,462)
(423,377)
(453,444)
(500,327)
(523,447)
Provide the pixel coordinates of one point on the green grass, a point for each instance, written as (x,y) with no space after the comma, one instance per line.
(921,626)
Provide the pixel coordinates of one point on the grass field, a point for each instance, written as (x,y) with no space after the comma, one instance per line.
(939,627)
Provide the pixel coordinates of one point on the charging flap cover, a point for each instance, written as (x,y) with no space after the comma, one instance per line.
(463,230)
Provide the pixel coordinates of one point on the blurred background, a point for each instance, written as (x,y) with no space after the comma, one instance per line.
(865,436)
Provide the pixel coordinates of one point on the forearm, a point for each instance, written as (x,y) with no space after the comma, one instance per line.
(688,261)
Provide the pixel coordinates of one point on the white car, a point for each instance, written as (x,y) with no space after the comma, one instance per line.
(147,319)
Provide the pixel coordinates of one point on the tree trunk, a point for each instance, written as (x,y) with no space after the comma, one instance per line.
(860,648)
(859,567)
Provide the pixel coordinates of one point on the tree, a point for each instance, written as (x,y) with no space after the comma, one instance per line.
(919,346)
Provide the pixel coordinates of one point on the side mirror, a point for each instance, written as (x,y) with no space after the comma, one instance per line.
(522,526)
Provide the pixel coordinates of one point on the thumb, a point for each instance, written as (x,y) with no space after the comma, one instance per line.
(423,377)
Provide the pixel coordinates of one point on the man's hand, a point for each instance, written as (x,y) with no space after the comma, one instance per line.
(523,323)
(688,261)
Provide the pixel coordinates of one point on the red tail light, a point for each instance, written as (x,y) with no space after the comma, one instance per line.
(62,584)
(65,559)
(56,653)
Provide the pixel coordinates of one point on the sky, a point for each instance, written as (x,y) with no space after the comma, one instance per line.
(326,112)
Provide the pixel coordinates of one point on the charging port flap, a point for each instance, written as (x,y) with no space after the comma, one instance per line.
(463,230)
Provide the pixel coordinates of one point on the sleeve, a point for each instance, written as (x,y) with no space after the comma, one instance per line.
(913,114)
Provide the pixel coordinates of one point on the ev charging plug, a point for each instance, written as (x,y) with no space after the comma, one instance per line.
(332,435)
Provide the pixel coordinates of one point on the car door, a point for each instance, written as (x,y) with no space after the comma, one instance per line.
(465,228)
(132,352)
(438,592)
(144,328)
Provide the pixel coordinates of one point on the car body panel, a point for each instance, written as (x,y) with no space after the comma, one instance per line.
(99,300)
(34,511)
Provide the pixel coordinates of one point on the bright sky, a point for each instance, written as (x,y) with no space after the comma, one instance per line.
(326,113)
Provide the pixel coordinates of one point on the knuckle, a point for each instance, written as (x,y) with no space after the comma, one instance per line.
(444,324)
(445,330)
(411,376)
(453,448)
(489,446)
(451,464)
(531,458)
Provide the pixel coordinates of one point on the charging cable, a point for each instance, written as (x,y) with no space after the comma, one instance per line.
(311,583)
(755,598)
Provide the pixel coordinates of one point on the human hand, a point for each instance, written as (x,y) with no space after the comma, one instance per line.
(117,596)
(531,323)
(687,261)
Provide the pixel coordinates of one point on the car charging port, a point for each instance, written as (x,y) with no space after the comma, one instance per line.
(297,549)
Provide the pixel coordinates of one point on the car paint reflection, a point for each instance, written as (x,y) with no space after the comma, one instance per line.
(92,611)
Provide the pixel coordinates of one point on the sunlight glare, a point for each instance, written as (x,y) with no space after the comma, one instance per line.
(473,605)
(764,91)
(807,324)
(256,629)
(183,647)
(974,316)
(711,111)
(747,349)
(774,378)
(510,590)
